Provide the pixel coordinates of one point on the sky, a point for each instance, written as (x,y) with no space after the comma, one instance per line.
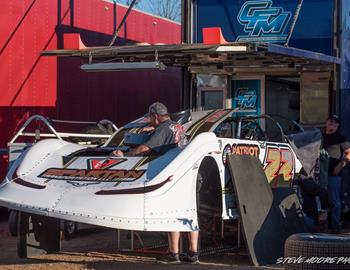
(142,5)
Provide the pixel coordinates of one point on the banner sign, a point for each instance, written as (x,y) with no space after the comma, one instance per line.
(268,21)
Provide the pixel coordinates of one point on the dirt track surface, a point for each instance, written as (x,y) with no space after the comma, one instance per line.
(96,248)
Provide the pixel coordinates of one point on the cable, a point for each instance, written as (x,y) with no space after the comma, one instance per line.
(295,19)
(122,23)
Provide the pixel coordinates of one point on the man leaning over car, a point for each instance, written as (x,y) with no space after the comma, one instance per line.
(166,132)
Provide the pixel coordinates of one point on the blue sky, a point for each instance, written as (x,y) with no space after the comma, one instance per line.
(143,5)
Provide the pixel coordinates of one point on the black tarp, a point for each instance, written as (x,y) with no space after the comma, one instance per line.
(306,146)
(268,216)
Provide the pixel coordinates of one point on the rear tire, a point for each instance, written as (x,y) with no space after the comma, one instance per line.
(13,222)
(317,245)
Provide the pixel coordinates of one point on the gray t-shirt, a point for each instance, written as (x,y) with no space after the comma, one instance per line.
(166,135)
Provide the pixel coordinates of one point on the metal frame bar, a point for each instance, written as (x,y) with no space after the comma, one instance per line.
(60,135)
(65,135)
(294,52)
(140,53)
(132,245)
(30,119)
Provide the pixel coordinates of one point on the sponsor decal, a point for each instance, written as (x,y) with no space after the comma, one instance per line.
(246,149)
(263,22)
(246,99)
(278,163)
(92,175)
(240,149)
(103,163)
(216,116)
(194,127)
(193,130)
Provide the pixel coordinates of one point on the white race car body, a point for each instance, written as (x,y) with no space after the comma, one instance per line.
(151,193)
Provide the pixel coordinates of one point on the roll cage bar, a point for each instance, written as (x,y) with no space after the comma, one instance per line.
(61,135)
(266,116)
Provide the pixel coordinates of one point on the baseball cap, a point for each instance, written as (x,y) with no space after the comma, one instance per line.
(157,108)
(335,118)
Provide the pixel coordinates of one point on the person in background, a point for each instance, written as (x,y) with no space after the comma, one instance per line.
(310,189)
(338,149)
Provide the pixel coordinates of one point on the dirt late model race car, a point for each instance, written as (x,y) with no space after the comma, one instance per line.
(157,192)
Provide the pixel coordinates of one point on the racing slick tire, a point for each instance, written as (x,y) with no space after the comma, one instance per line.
(317,251)
(13,222)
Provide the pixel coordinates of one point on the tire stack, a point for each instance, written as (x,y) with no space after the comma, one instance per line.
(317,251)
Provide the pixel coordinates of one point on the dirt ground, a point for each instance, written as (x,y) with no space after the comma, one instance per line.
(96,248)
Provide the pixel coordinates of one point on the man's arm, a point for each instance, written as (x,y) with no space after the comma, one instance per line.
(347,154)
(156,139)
(342,164)
(140,150)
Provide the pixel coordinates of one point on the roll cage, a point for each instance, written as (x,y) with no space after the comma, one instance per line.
(252,127)
(256,127)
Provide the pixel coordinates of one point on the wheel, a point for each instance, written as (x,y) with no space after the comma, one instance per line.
(13,222)
(70,228)
(314,249)
(22,228)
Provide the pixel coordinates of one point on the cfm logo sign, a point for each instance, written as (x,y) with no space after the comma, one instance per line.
(246,99)
(262,22)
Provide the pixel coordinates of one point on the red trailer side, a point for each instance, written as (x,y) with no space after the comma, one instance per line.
(57,88)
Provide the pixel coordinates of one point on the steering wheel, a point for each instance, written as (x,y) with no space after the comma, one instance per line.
(254,132)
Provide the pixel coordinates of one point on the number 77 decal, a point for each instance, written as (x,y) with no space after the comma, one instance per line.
(278,164)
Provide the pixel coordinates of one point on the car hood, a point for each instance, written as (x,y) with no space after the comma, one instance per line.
(63,180)
(86,167)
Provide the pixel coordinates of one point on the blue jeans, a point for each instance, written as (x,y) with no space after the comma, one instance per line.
(310,223)
(334,193)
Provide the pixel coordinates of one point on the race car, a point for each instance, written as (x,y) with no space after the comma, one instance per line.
(161,191)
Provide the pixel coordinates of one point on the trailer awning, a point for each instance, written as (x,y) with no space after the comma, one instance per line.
(230,58)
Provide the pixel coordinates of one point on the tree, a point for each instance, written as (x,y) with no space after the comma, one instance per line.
(170,9)
(128,2)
